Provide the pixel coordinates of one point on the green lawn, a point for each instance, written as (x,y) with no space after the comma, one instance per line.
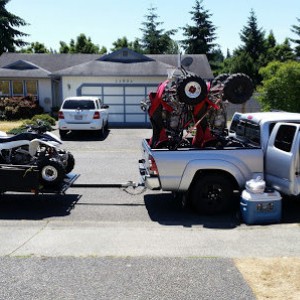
(8,125)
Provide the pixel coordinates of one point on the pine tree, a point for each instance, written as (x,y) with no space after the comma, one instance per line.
(9,36)
(201,36)
(253,38)
(155,40)
(296,29)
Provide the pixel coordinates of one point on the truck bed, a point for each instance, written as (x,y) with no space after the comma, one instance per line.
(177,168)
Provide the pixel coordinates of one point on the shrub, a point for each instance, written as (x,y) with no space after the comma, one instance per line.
(48,121)
(45,118)
(14,108)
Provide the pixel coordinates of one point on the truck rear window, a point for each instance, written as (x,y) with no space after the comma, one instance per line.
(249,132)
(79,104)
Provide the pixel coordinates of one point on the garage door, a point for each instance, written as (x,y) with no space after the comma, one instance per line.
(123,100)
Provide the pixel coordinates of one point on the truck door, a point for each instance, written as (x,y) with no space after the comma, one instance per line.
(282,169)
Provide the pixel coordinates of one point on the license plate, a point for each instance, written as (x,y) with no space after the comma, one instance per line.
(78,117)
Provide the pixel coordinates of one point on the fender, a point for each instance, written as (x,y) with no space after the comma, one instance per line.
(55,140)
(212,165)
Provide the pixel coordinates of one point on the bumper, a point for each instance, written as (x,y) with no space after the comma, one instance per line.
(62,125)
(151,182)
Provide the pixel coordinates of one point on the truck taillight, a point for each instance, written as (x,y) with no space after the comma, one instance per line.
(152,166)
(61,115)
(96,115)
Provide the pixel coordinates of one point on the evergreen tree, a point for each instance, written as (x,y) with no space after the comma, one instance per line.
(201,36)
(253,38)
(83,44)
(271,40)
(35,48)
(283,52)
(296,29)
(10,37)
(155,40)
(251,56)
(124,43)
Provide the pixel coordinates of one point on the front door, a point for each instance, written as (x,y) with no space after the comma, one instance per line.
(282,169)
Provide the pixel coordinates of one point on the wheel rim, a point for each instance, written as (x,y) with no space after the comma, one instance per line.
(49,173)
(193,89)
(213,196)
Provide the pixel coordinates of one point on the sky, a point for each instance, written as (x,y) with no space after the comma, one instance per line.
(105,21)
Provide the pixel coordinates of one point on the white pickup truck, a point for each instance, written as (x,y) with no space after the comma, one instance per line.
(259,144)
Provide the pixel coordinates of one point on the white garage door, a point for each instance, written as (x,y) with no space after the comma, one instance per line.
(123,100)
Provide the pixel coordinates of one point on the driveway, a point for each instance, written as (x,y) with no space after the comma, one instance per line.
(115,244)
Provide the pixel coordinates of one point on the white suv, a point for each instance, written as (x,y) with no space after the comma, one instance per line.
(82,113)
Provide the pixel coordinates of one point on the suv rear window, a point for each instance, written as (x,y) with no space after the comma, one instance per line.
(79,104)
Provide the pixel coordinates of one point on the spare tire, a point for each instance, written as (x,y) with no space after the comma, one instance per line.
(238,88)
(191,90)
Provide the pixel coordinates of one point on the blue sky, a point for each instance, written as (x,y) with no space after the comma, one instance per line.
(104,22)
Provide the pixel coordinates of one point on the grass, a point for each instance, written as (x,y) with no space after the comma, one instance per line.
(272,278)
(8,125)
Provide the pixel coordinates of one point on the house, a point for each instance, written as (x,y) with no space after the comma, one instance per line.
(122,78)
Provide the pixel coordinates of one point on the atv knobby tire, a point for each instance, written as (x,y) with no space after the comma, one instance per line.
(191,90)
(52,172)
(238,88)
(219,79)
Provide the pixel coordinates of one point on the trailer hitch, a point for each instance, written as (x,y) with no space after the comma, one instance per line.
(125,186)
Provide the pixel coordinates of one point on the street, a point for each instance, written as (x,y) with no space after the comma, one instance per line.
(113,244)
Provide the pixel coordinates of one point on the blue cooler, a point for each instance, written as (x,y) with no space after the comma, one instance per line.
(260,208)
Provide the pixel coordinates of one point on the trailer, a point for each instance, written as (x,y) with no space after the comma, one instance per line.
(26,179)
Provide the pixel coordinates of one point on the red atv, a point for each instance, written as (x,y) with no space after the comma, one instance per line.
(186,103)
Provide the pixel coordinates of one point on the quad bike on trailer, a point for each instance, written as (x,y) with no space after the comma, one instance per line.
(185,103)
(36,149)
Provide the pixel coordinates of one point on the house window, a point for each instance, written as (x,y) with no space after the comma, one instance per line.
(4,88)
(17,88)
(31,87)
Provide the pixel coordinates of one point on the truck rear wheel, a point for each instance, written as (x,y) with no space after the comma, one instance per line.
(212,194)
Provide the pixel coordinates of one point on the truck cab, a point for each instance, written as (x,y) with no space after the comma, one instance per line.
(277,133)
(282,167)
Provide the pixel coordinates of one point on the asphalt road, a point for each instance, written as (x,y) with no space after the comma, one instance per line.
(110,244)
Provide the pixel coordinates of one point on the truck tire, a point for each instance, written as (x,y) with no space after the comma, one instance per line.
(212,194)
(191,90)
(238,88)
(52,173)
